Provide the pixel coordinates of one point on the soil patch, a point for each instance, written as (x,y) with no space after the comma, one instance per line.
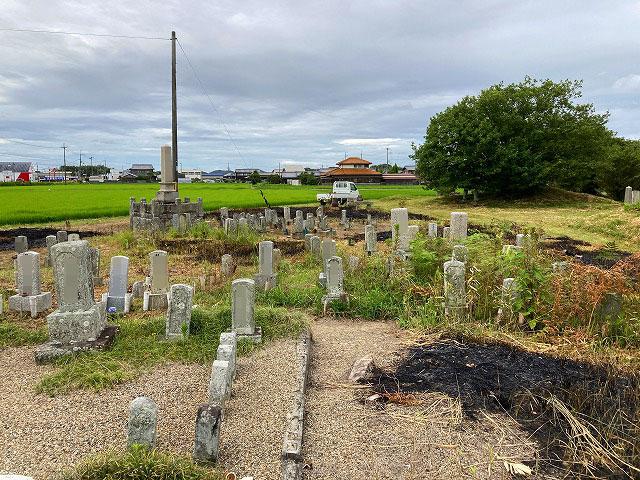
(603,257)
(35,236)
(498,377)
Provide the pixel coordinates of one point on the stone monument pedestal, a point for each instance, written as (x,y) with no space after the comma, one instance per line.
(155,301)
(121,304)
(35,304)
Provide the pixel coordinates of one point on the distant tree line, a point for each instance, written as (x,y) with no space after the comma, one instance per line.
(512,140)
(85,170)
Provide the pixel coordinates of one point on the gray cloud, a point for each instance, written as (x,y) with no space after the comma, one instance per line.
(295,82)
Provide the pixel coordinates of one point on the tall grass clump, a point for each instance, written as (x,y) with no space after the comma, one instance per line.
(140,463)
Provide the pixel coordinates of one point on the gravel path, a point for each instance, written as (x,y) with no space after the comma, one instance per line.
(40,436)
(346,438)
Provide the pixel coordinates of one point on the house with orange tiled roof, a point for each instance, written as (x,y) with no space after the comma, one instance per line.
(352,169)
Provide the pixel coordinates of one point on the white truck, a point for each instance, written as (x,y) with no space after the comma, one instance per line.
(343,192)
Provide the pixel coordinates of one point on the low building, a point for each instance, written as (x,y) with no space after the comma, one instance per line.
(409,169)
(141,169)
(191,174)
(352,169)
(215,176)
(399,179)
(16,172)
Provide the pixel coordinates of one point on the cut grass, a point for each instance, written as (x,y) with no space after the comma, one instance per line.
(140,463)
(46,203)
(140,345)
(14,336)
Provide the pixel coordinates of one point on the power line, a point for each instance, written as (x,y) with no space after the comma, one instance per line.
(214,107)
(85,34)
(29,156)
(25,143)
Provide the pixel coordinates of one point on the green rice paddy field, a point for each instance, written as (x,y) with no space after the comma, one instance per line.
(44,203)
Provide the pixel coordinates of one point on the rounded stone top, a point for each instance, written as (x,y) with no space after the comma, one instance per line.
(247,281)
(140,402)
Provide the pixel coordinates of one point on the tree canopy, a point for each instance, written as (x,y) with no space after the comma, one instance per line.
(513,139)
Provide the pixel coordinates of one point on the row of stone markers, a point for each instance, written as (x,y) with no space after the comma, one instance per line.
(143,411)
(631,196)
(245,222)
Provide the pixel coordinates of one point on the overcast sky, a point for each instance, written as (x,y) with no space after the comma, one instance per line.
(295,82)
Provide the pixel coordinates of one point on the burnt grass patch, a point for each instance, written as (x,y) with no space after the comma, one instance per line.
(603,257)
(36,237)
(534,389)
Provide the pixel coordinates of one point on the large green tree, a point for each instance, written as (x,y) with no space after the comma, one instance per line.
(619,168)
(512,139)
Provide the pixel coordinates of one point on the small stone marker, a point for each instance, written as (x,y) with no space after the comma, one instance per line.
(315,246)
(227,265)
(286,213)
(94,265)
(454,286)
(635,197)
(307,241)
(328,247)
(509,292)
(51,240)
(156,297)
(29,297)
(207,435)
(460,253)
(137,289)
(118,300)
(21,244)
(265,279)
(509,249)
(298,224)
(432,229)
(458,226)
(231,227)
(143,419)
(343,218)
(370,239)
(179,311)
(311,222)
(335,282)
(628,194)
(400,228)
(277,258)
(354,261)
(243,225)
(323,224)
(61,236)
(446,233)
(219,385)
(242,310)
(73,237)
(520,239)
(412,232)
(361,369)
(227,353)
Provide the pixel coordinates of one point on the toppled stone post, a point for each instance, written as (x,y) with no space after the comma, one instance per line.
(155,298)
(454,287)
(458,226)
(370,239)
(265,279)
(242,310)
(143,419)
(400,228)
(118,300)
(207,434)
(29,297)
(179,312)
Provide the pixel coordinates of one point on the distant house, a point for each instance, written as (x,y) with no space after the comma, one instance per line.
(352,169)
(242,174)
(141,169)
(409,169)
(128,177)
(192,174)
(216,176)
(16,171)
(399,179)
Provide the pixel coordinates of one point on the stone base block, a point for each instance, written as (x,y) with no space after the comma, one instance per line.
(155,301)
(264,282)
(35,304)
(121,304)
(49,351)
(68,328)
(327,299)
(255,337)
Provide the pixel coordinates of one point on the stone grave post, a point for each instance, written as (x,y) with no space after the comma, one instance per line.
(73,237)
(370,239)
(155,298)
(118,300)
(21,244)
(328,247)
(94,263)
(454,287)
(400,228)
(227,265)
(446,233)
(287,214)
(458,226)
(315,246)
(51,240)
(265,279)
(61,236)
(242,310)
(179,311)
(29,297)
(143,419)
(207,434)
(335,281)
(628,192)
(460,253)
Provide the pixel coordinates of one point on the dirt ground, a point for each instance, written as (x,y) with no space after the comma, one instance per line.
(426,437)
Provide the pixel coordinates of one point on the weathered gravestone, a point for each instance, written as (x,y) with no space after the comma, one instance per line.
(29,297)
(370,239)
(628,194)
(454,287)
(79,323)
(179,311)
(432,230)
(460,253)
(242,310)
(50,241)
(400,228)
(315,246)
(62,236)
(73,237)
(446,233)
(335,282)
(118,300)
(328,247)
(156,297)
(207,434)
(219,391)
(21,244)
(286,213)
(143,420)
(227,265)
(265,279)
(458,226)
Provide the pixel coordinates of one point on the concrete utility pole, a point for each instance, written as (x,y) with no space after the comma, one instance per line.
(174,110)
(64,156)
(387,159)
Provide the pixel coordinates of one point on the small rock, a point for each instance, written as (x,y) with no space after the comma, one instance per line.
(361,369)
